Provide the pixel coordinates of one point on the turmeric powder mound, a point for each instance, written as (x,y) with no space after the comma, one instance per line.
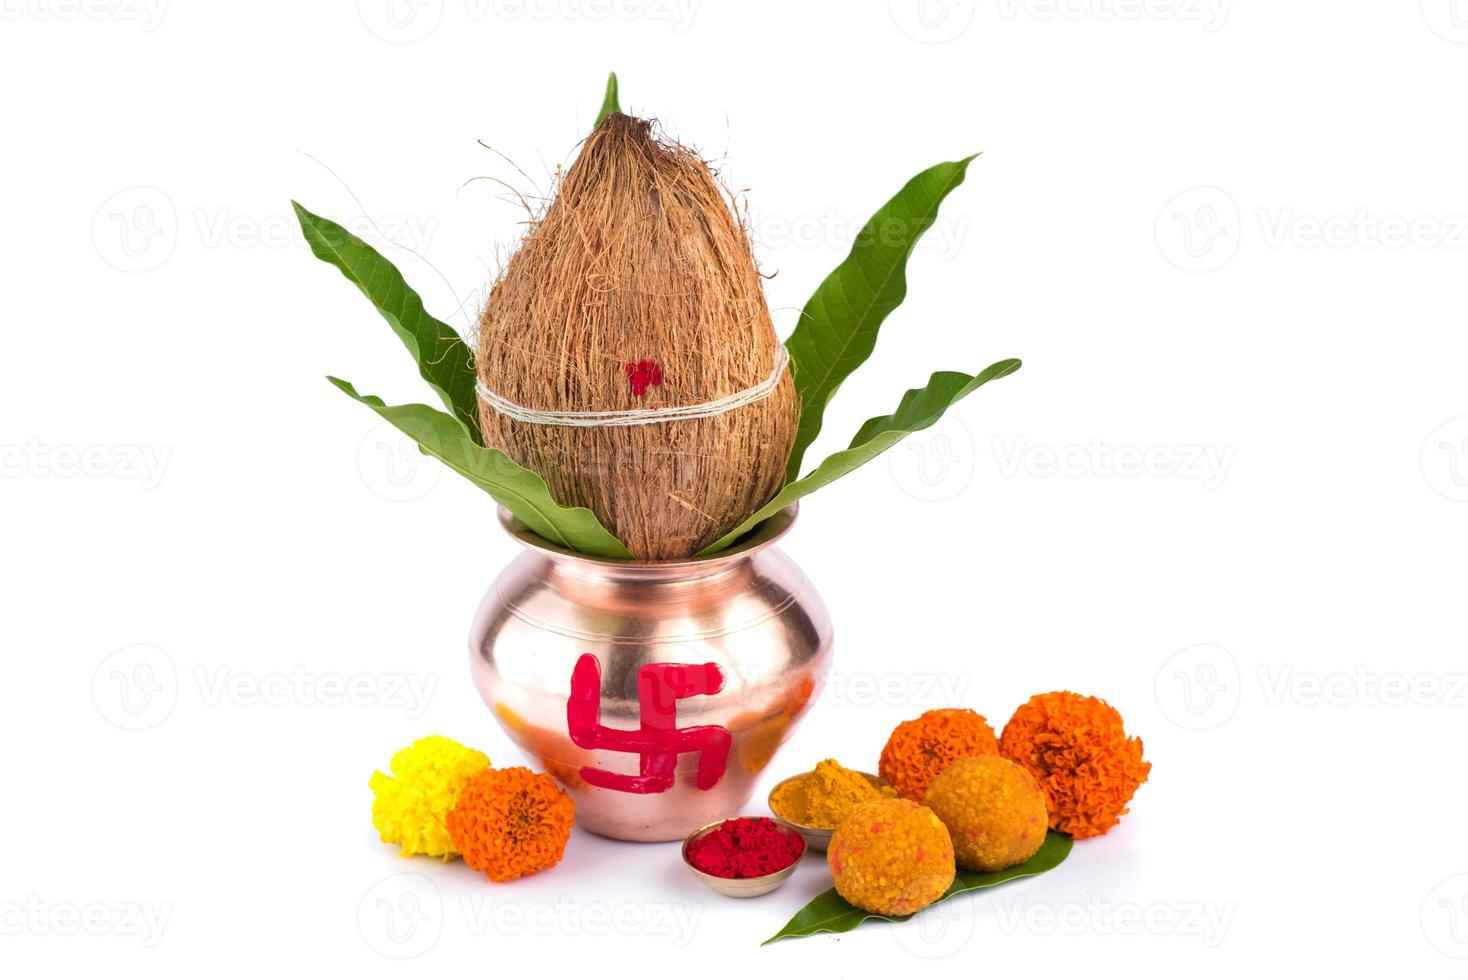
(821,799)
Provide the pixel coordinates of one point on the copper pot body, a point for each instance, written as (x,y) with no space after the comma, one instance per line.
(689,675)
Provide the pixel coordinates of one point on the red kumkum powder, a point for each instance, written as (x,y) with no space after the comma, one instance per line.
(746,847)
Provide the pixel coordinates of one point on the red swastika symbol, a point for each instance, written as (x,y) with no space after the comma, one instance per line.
(659,741)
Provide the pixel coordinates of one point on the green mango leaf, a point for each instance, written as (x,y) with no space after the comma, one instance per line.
(838,327)
(919,408)
(519,490)
(829,912)
(444,360)
(609,103)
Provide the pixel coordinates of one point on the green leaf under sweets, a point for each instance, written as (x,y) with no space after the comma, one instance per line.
(829,912)
(838,327)
(919,408)
(444,360)
(609,103)
(519,490)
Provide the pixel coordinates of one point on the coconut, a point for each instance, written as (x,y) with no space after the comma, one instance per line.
(636,291)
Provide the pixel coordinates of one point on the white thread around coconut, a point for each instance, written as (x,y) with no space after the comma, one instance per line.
(640,416)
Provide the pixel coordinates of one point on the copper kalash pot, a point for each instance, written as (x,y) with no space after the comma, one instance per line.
(655,692)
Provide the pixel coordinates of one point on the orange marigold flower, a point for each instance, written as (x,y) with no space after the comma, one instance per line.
(920,749)
(1077,749)
(511,822)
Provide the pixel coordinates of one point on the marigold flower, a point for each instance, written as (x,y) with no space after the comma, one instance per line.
(409,807)
(920,749)
(1077,748)
(511,822)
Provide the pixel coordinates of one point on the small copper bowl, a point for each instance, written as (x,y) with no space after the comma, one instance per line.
(739,887)
(816,838)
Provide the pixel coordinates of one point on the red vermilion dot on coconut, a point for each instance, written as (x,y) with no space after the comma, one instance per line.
(642,375)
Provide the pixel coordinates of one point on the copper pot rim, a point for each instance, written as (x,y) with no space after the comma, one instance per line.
(769,531)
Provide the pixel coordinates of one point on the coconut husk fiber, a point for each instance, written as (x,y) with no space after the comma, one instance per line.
(638,258)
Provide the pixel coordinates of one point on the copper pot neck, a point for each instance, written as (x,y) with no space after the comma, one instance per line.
(578,567)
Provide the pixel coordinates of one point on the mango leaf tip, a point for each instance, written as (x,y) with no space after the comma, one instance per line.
(838,326)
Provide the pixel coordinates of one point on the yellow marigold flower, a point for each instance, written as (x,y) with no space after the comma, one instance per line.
(410,807)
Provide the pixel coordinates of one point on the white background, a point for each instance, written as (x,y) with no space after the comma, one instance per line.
(1227,238)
